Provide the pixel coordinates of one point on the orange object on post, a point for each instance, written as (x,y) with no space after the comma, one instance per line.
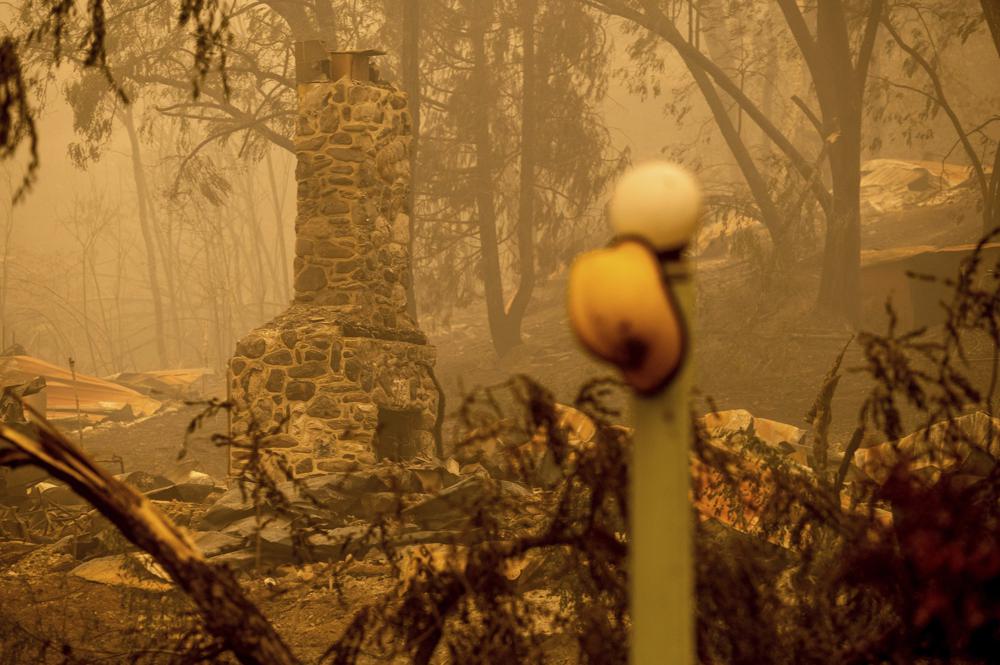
(624,312)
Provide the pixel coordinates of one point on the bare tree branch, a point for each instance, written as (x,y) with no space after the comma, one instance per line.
(227,612)
(991,11)
(941,99)
(864,60)
(812,117)
(661,25)
(801,34)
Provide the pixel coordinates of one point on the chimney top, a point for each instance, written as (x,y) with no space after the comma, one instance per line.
(314,62)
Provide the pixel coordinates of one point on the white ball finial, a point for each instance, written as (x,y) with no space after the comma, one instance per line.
(657,201)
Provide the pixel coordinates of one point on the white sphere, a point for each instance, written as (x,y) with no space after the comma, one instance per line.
(658,201)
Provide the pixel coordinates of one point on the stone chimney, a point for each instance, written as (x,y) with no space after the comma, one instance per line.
(344,372)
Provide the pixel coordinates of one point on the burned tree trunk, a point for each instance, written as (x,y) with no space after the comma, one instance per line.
(991,10)
(526,195)
(504,337)
(840,284)
(148,237)
(505,319)
(840,72)
(228,614)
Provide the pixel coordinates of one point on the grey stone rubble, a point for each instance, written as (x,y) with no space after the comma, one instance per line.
(328,518)
(331,517)
(324,518)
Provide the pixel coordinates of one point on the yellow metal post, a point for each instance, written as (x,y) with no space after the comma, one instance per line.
(662,533)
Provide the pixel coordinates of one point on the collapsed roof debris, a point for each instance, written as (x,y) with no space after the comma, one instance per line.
(965,448)
(889,185)
(99,399)
(163,383)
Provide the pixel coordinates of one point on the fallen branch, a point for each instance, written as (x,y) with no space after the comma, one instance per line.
(228,614)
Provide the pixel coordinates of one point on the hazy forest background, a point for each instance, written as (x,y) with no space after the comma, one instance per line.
(147,209)
(172,215)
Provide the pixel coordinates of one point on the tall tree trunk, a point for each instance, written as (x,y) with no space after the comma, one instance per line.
(168,243)
(840,90)
(724,52)
(505,322)
(489,243)
(411,84)
(300,25)
(170,256)
(326,19)
(991,10)
(526,192)
(148,237)
(840,284)
(767,45)
(4,274)
(85,309)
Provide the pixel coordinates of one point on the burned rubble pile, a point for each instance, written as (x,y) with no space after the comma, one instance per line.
(362,513)
(326,518)
(331,517)
(486,489)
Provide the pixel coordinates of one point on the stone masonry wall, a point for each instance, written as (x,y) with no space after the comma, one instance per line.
(346,349)
(329,386)
(352,230)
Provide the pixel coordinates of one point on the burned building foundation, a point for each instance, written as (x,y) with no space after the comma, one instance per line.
(344,374)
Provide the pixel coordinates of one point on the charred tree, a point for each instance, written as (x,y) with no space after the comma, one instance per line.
(991,10)
(483,183)
(526,194)
(837,61)
(840,86)
(148,235)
